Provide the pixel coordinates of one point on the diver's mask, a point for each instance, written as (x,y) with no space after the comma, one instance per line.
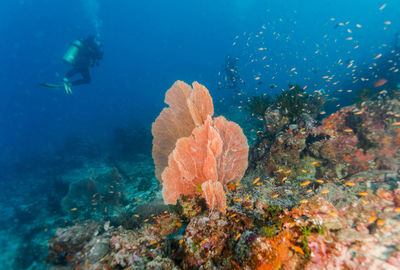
(72,52)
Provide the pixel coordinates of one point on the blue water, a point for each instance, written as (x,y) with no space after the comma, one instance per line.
(148,45)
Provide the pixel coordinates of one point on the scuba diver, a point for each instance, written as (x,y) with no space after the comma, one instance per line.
(82,55)
(232,76)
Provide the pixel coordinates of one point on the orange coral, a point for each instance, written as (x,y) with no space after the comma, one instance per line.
(188,108)
(214,194)
(278,252)
(216,151)
(213,153)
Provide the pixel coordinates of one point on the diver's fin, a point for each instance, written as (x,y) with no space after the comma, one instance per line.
(51,85)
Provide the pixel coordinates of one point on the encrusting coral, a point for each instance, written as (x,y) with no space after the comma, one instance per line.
(216,151)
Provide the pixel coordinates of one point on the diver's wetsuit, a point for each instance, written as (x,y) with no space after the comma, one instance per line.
(89,55)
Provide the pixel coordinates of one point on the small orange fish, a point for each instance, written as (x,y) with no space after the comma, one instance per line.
(237,236)
(74,209)
(259,183)
(233,215)
(348,130)
(314,163)
(396,124)
(298,249)
(304,201)
(363,193)
(152,242)
(246,198)
(180,242)
(380,222)
(305,183)
(309,190)
(397,209)
(350,184)
(333,214)
(280,170)
(364,201)
(275,195)
(372,219)
(319,181)
(284,178)
(136,215)
(288,171)
(256,180)
(325,191)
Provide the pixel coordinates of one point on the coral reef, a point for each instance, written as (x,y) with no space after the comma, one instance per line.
(318,196)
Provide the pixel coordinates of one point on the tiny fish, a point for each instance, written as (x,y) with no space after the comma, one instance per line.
(309,190)
(288,171)
(319,181)
(380,222)
(380,82)
(325,191)
(396,124)
(238,200)
(152,242)
(237,236)
(298,249)
(333,214)
(314,163)
(180,242)
(275,195)
(284,178)
(372,219)
(359,112)
(305,183)
(74,209)
(351,184)
(256,180)
(304,201)
(107,225)
(348,130)
(247,197)
(363,193)
(382,7)
(136,215)
(364,201)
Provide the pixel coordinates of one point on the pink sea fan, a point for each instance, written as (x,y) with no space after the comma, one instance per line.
(214,194)
(216,151)
(187,109)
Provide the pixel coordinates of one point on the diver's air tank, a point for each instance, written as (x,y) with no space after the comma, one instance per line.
(73,50)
